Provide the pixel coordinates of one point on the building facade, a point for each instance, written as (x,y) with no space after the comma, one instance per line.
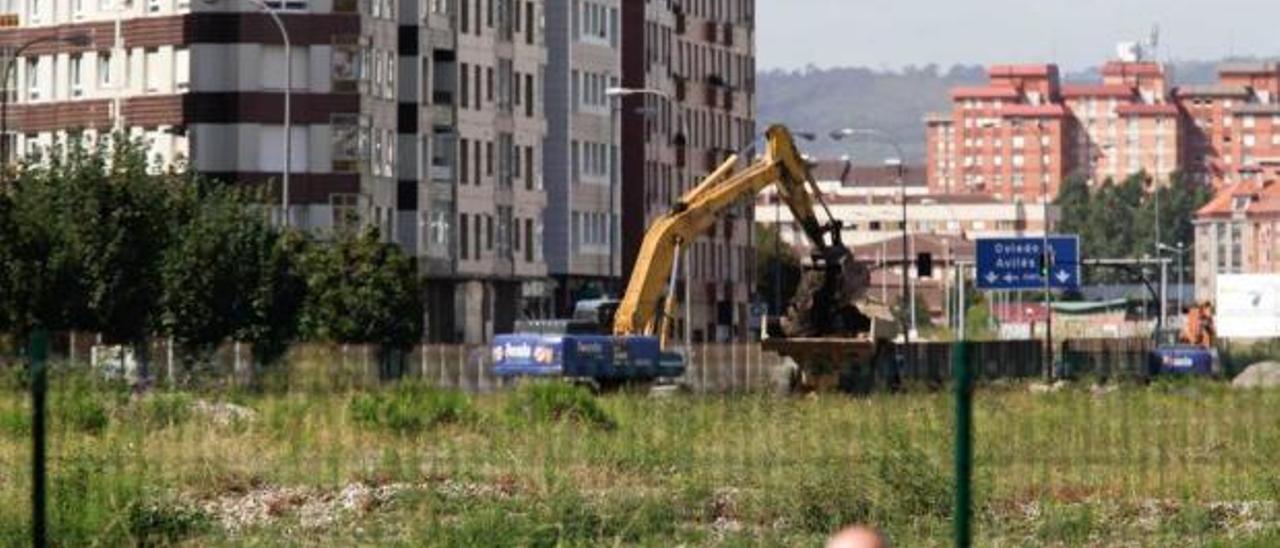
(1133,121)
(1238,232)
(584,52)
(697,62)
(423,119)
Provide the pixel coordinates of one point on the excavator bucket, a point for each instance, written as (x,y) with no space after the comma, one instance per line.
(825,303)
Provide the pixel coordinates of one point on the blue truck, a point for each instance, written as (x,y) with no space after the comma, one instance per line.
(604,359)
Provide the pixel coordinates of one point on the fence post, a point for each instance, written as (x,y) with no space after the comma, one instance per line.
(964,442)
(38,353)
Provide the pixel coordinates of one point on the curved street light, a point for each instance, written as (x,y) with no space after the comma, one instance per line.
(900,163)
(77,40)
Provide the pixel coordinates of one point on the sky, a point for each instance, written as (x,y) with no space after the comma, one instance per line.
(1076,34)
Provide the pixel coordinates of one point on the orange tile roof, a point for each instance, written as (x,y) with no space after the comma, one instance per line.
(1096,90)
(1125,68)
(984,92)
(1022,70)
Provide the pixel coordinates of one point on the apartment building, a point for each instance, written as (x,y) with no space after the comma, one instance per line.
(584,42)
(1005,139)
(1237,232)
(1233,126)
(1132,121)
(696,60)
(424,119)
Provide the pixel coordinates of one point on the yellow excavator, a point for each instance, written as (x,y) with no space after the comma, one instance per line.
(631,341)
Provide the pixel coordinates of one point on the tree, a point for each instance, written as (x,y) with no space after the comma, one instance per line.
(227,249)
(778,268)
(361,290)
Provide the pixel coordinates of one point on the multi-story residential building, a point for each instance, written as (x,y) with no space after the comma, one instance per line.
(1005,139)
(1233,127)
(1020,135)
(1238,232)
(696,60)
(423,119)
(584,52)
(499,127)
(1131,122)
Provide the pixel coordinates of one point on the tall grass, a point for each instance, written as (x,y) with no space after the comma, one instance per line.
(549,464)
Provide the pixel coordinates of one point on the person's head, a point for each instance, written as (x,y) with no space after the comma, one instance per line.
(858,536)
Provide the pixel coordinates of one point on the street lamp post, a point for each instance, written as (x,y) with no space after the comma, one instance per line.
(288,111)
(78,40)
(614,109)
(900,165)
(1181,251)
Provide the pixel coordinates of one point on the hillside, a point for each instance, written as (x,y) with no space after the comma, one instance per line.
(820,100)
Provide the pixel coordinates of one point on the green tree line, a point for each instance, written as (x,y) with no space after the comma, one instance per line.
(1117,220)
(92,240)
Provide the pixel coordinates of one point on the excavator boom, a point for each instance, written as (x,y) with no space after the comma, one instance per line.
(641,311)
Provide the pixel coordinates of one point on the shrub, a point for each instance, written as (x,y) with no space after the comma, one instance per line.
(164,522)
(15,422)
(80,408)
(410,407)
(557,402)
(163,410)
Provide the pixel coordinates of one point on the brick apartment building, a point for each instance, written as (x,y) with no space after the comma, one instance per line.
(1021,134)
(1238,232)
(421,118)
(700,59)
(427,119)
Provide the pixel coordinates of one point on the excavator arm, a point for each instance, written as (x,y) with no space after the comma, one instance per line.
(639,312)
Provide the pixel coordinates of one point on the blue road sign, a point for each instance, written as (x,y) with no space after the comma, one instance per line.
(1015,263)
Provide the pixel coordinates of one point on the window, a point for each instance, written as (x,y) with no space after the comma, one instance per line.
(488,158)
(153,6)
(271,143)
(464,86)
(76,76)
(464,239)
(182,69)
(154,71)
(104,69)
(1249,121)
(33,79)
(1249,140)
(528,240)
(488,232)
(463,159)
(35,12)
(77,9)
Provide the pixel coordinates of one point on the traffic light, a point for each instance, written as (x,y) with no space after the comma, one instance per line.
(1045,262)
(924,265)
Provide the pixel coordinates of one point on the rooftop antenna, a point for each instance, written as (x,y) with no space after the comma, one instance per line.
(1154,41)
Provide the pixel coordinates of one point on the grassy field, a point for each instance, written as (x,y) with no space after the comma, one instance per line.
(1166,464)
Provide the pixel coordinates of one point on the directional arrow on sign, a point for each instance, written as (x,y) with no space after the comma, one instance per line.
(1063,276)
(992,277)
(1009,278)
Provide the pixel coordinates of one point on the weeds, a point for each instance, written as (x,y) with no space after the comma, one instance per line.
(410,408)
(557,402)
(552,465)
